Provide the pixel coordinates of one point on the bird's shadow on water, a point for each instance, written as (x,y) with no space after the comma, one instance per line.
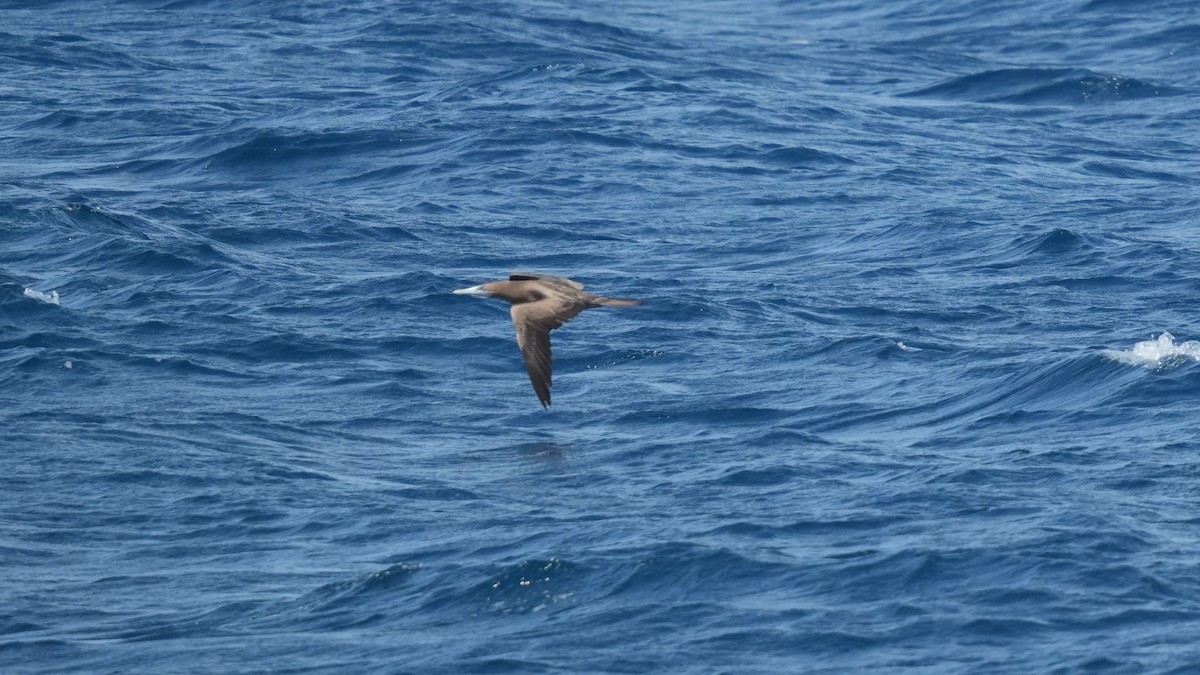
(547,454)
(544,451)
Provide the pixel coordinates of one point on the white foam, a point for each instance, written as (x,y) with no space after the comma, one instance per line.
(1163,351)
(49,298)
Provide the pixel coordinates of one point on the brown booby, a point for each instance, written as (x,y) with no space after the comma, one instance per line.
(541,303)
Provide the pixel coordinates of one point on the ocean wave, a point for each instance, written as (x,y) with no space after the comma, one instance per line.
(1056,248)
(51,298)
(1161,352)
(1044,86)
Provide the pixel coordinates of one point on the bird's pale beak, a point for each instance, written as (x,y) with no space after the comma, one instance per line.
(474,290)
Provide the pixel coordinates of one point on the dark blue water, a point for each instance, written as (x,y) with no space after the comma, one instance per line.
(915,387)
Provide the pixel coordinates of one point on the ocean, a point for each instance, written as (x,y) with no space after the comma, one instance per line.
(914,387)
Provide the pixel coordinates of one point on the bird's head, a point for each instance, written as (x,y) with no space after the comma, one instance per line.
(482,290)
(515,292)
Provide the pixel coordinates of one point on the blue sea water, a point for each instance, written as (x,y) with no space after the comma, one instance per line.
(914,388)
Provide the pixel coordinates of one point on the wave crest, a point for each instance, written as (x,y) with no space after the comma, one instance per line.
(51,298)
(1159,353)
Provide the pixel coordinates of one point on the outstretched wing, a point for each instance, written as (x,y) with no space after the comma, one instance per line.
(550,279)
(534,321)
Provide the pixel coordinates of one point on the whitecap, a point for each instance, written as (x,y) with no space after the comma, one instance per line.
(49,298)
(1163,351)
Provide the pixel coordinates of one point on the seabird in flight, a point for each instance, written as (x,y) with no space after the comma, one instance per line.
(541,303)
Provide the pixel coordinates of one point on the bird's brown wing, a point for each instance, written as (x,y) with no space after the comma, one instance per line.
(526,276)
(534,321)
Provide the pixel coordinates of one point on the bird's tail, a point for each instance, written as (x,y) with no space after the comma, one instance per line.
(598,301)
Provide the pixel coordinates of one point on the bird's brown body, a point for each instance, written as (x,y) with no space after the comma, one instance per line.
(541,303)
